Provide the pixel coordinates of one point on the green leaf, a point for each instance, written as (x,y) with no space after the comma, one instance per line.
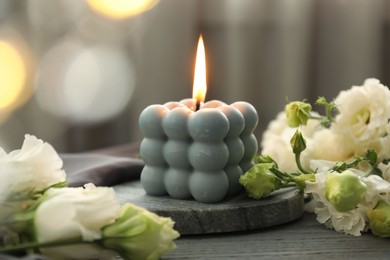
(330,111)
(386,161)
(372,157)
(264,158)
(378,172)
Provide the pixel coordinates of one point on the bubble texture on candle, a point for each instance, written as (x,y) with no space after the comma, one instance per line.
(197,154)
(208,125)
(175,123)
(151,150)
(209,187)
(173,104)
(152,179)
(213,104)
(248,138)
(235,147)
(150,121)
(177,183)
(175,153)
(208,156)
(189,102)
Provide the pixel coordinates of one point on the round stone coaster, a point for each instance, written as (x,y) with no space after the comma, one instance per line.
(238,213)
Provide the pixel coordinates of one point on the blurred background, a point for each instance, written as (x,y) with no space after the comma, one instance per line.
(77,74)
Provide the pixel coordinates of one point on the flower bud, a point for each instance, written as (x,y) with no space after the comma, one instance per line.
(139,234)
(297,113)
(259,181)
(298,143)
(379,219)
(344,190)
(301,179)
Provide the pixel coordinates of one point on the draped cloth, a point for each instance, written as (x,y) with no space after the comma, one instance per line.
(106,167)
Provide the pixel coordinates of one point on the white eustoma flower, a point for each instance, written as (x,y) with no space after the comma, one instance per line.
(352,222)
(385,168)
(363,118)
(379,189)
(276,138)
(326,145)
(34,167)
(75,213)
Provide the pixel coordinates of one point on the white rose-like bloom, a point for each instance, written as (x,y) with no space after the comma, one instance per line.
(276,138)
(72,213)
(34,167)
(363,118)
(379,189)
(326,145)
(352,222)
(385,168)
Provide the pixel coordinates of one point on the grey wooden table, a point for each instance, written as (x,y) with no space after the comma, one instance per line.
(304,238)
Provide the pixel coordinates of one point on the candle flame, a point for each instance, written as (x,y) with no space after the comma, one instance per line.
(200,86)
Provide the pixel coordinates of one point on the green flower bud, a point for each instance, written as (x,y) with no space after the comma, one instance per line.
(298,143)
(344,190)
(300,180)
(297,113)
(139,234)
(379,219)
(259,181)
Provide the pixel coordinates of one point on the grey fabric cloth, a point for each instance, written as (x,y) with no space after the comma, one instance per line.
(99,169)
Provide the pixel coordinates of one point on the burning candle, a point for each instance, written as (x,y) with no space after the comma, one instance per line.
(198,150)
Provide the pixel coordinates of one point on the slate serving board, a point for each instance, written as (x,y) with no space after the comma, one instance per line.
(238,213)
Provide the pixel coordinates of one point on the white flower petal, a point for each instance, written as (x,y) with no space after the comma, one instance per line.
(352,222)
(34,167)
(322,214)
(80,212)
(363,118)
(385,168)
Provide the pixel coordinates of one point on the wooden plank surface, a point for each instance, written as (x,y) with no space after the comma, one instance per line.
(304,238)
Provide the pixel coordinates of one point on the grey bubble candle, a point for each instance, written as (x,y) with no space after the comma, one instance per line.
(197,151)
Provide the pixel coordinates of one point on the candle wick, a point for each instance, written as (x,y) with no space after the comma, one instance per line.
(197,106)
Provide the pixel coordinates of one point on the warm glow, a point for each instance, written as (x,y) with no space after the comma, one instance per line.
(84,85)
(12,76)
(120,9)
(200,86)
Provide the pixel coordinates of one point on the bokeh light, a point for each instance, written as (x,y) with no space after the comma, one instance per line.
(85,85)
(120,9)
(12,77)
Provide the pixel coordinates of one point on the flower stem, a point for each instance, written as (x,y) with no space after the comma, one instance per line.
(298,161)
(316,117)
(283,176)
